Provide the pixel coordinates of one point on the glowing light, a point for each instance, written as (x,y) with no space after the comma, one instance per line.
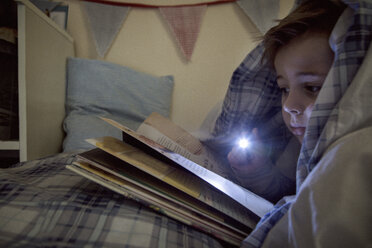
(244,143)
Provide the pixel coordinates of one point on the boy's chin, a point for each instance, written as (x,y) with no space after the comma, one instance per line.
(299,138)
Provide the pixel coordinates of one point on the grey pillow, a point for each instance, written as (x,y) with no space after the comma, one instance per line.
(99,88)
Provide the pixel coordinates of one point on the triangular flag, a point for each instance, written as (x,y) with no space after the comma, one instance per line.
(45,5)
(184,23)
(263,13)
(105,22)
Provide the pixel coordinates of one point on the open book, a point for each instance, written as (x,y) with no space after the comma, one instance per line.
(166,168)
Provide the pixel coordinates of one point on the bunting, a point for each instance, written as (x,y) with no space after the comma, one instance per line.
(263,13)
(183,17)
(105,22)
(184,23)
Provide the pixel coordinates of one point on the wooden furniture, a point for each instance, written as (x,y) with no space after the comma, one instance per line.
(42,51)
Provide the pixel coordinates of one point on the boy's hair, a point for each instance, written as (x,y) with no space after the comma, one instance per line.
(312,15)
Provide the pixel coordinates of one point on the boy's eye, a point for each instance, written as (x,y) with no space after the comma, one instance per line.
(284,90)
(313,89)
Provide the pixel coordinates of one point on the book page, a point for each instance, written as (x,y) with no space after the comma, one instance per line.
(174,133)
(251,201)
(176,139)
(157,168)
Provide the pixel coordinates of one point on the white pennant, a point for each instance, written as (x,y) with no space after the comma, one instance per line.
(105,23)
(263,13)
(184,23)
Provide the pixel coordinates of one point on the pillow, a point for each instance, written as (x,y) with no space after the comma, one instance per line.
(98,88)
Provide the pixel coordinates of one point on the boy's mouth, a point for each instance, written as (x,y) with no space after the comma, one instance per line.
(298,130)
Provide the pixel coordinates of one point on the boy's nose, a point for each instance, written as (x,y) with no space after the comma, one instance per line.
(293,104)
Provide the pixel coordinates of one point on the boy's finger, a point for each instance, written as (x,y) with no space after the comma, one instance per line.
(255,132)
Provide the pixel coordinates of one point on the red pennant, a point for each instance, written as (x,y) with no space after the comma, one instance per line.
(185,25)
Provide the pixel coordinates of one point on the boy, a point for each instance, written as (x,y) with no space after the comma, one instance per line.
(326,106)
(298,50)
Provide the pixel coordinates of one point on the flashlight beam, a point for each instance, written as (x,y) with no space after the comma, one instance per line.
(244,143)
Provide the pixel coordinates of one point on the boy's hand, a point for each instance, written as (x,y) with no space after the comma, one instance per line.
(245,162)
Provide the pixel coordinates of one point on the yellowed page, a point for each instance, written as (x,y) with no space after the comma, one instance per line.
(171,175)
(184,143)
(174,132)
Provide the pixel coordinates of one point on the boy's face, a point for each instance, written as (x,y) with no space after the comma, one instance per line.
(302,66)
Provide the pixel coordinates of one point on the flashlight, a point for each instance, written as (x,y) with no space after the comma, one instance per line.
(244,143)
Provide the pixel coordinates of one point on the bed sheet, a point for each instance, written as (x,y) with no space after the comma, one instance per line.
(42,204)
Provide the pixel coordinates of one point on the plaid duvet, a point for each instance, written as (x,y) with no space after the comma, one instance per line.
(42,204)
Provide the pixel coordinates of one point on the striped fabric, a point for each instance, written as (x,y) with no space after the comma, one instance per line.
(253,100)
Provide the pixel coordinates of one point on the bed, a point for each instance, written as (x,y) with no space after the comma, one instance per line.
(42,204)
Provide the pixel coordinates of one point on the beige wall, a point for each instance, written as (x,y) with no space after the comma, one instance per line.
(145,44)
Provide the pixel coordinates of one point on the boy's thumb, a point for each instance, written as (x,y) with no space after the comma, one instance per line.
(255,132)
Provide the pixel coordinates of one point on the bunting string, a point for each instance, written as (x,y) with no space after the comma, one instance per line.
(166,3)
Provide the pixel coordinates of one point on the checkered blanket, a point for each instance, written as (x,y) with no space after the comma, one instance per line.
(42,204)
